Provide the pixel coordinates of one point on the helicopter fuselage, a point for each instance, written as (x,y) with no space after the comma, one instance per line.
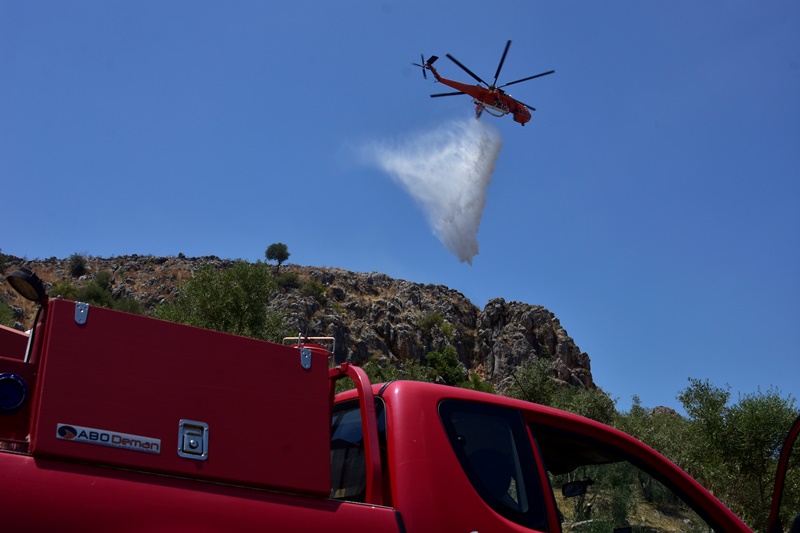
(495,101)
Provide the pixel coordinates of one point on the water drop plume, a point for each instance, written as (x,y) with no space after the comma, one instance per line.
(447,171)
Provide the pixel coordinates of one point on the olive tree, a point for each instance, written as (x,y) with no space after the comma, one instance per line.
(733,449)
(277,252)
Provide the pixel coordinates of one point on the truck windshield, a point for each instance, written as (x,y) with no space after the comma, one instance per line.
(348,466)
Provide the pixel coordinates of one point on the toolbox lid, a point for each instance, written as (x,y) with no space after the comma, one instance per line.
(141,393)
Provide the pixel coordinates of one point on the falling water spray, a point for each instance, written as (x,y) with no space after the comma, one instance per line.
(447,171)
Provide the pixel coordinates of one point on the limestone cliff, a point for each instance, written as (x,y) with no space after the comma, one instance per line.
(369,314)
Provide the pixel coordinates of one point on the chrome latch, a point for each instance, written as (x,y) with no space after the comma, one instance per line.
(305,358)
(81,313)
(193,440)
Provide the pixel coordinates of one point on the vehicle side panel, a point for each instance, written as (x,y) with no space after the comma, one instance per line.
(48,495)
(418,449)
(12,343)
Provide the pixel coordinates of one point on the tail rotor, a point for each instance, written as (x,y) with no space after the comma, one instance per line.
(422,66)
(425,65)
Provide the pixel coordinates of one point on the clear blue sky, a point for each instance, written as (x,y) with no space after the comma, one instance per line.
(651,204)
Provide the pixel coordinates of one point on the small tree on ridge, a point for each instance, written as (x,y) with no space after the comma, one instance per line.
(277,252)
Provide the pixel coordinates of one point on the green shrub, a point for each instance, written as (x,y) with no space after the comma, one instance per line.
(96,292)
(446,328)
(129,305)
(77,265)
(447,366)
(429,321)
(476,383)
(233,300)
(314,289)
(288,280)
(408,370)
(103,279)
(6,315)
(434,320)
(64,289)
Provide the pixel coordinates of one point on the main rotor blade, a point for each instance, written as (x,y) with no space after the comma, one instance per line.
(502,60)
(528,78)
(468,71)
(437,95)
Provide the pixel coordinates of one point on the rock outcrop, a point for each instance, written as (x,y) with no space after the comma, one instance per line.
(369,314)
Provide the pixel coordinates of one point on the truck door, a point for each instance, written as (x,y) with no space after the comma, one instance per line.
(493,447)
(620,485)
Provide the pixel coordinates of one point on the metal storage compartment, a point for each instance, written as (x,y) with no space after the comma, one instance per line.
(145,394)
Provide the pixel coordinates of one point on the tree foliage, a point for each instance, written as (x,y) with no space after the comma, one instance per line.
(277,252)
(232,300)
(437,367)
(591,403)
(665,431)
(475,382)
(533,381)
(732,449)
(382,371)
(447,367)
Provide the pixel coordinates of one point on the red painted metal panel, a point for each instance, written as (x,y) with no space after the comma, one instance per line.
(12,343)
(45,495)
(132,377)
(420,450)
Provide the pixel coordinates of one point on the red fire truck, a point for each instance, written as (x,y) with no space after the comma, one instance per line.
(117,422)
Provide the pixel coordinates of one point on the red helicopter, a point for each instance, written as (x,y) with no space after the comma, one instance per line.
(492,98)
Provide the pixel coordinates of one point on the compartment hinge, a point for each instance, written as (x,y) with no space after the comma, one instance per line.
(305,358)
(81,312)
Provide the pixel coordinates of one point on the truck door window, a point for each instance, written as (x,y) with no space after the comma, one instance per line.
(596,488)
(348,465)
(493,447)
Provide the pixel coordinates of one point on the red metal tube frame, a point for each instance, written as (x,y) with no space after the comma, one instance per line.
(369,426)
(774,523)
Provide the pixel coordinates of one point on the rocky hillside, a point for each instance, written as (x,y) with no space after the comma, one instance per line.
(371,315)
